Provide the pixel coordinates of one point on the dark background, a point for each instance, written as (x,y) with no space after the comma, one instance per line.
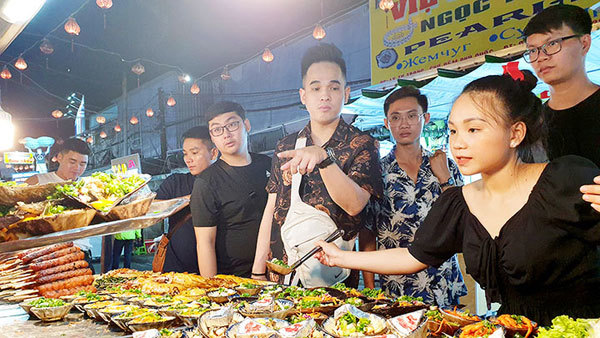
(194,36)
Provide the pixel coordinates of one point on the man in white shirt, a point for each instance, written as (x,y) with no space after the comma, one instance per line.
(72,162)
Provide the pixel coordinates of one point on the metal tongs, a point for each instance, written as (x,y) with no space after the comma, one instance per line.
(283,270)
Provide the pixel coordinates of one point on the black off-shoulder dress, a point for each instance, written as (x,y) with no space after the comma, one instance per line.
(545,261)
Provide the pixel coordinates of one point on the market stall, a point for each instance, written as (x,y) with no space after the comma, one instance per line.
(47,289)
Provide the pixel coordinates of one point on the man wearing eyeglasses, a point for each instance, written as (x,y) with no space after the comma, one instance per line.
(558,40)
(339,169)
(229,197)
(413,179)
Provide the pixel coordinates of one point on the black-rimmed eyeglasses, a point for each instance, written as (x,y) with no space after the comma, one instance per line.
(549,48)
(231,127)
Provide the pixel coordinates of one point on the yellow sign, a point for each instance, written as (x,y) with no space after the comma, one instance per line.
(418,35)
(18,157)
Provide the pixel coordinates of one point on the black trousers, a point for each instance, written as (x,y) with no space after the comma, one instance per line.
(88,258)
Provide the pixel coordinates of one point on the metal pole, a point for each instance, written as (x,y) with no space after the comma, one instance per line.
(163,130)
(126,120)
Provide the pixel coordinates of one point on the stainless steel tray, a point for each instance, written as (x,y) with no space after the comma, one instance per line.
(159,210)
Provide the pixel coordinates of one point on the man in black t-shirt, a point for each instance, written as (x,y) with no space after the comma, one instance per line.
(558,40)
(229,197)
(198,153)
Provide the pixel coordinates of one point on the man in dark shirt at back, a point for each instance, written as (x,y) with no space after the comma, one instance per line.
(198,153)
(229,197)
(558,40)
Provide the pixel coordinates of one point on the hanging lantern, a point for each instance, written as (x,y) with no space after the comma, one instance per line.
(5,74)
(103,134)
(104,4)
(72,28)
(319,32)
(225,75)
(90,140)
(183,78)
(118,128)
(138,69)
(57,114)
(267,56)
(46,47)
(386,5)
(171,101)
(149,112)
(133,120)
(195,89)
(20,64)
(100,119)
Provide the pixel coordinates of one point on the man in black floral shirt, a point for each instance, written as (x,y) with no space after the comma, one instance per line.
(340,164)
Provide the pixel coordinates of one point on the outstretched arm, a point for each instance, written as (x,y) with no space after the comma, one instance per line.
(396,261)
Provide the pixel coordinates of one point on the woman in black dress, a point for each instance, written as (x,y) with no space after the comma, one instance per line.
(527,236)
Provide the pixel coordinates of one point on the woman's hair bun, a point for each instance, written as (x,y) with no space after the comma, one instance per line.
(530,80)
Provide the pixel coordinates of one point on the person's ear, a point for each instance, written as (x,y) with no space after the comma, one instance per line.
(517,134)
(302,93)
(214,154)
(386,123)
(346,94)
(247,125)
(586,41)
(426,118)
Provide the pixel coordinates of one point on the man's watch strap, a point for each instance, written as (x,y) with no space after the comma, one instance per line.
(450,183)
(329,160)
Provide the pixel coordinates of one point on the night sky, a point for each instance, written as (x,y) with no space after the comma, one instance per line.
(197,36)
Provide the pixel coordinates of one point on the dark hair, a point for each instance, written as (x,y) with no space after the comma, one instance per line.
(402,93)
(76,145)
(553,18)
(199,133)
(516,104)
(325,52)
(223,107)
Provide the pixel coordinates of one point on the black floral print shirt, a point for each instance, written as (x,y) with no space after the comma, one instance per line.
(357,155)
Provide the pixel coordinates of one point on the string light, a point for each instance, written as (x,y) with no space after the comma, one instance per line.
(195,89)
(57,114)
(267,55)
(171,101)
(20,64)
(319,32)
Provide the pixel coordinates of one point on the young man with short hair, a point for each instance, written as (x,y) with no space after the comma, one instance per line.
(558,40)
(339,164)
(413,179)
(198,154)
(229,196)
(72,161)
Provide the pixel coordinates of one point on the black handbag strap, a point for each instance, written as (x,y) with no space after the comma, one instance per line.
(243,182)
(179,223)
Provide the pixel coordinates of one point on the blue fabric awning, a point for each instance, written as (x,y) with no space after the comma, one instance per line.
(442,91)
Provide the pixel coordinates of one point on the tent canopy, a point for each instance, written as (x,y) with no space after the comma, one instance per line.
(442,91)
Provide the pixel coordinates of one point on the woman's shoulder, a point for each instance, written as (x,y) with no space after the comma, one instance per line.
(568,171)
(450,201)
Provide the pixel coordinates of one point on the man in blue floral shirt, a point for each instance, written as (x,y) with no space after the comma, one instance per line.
(413,179)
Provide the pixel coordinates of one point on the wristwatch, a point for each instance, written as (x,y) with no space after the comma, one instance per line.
(329,160)
(451,182)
